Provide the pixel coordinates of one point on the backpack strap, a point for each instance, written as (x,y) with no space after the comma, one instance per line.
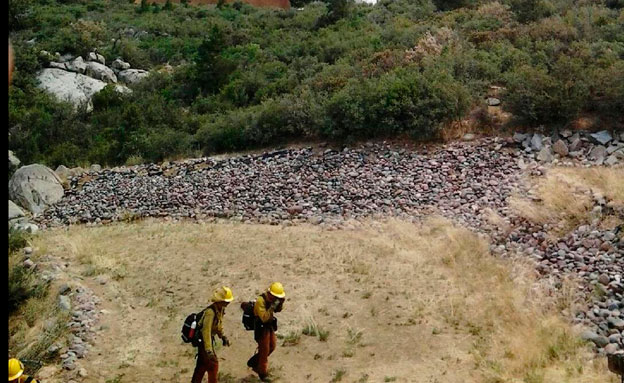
(29,379)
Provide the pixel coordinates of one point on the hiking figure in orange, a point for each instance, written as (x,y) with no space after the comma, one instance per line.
(265,307)
(209,326)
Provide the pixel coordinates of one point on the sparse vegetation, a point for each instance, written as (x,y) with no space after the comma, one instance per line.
(565,198)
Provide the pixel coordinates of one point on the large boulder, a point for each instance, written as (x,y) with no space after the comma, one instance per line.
(35,187)
(15,211)
(100,72)
(75,88)
(131,76)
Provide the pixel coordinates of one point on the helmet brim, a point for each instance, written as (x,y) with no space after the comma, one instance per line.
(282,295)
(16,375)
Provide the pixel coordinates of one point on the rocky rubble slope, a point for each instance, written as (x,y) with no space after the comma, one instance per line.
(465,181)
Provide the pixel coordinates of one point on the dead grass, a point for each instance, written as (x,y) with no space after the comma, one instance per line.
(565,197)
(441,307)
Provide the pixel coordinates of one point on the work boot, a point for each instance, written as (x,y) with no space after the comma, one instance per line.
(253,361)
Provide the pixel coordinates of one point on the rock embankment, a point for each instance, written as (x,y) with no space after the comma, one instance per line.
(464,181)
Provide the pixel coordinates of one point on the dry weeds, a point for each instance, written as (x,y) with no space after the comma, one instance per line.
(441,308)
(565,197)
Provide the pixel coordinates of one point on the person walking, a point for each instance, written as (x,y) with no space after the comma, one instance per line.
(16,372)
(267,304)
(211,325)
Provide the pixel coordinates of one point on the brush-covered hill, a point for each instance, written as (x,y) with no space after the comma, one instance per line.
(234,77)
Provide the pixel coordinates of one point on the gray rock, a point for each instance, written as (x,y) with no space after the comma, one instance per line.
(63,172)
(603,137)
(78,65)
(565,133)
(14,162)
(74,88)
(604,279)
(120,65)
(545,155)
(64,303)
(492,101)
(29,264)
(132,76)
(560,148)
(598,153)
(616,323)
(611,348)
(95,168)
(100,72)
(611,160)
(96,57)
(598,340)
(519,137)
(15,211)
(35,187)
(537,142)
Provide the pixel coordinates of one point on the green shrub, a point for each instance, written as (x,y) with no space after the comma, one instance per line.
(535,95)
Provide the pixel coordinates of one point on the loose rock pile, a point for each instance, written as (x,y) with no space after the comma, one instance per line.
(462,181)
(588,148)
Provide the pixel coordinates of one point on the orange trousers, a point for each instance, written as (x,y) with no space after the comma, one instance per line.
(267,341)
(206,363)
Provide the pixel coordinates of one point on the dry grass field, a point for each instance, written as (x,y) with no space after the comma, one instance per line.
(387,302)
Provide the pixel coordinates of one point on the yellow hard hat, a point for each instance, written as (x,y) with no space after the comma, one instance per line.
(223,294)
(277,290)
(16,369)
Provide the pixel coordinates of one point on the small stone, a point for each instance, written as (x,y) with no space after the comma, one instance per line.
(493,101)
(28,250)
(611,348)
(537,142)
(598,153)
(468,137)
(603,137)
(64,303)
(29,264)
(545,155)
(519,137)
(604,279)
(560,148)
(611,160)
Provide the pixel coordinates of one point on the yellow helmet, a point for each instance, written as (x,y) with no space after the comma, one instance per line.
(277,290)
(223,294)
(16,369)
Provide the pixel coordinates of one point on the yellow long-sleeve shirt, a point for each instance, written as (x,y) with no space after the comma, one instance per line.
(211,327)
(266,314)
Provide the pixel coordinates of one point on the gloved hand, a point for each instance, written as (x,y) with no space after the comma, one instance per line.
(226,341)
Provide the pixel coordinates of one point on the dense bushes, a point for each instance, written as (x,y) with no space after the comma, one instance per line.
(247,77)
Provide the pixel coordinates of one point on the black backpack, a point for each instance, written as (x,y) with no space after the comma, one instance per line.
(249,318)
(186,328)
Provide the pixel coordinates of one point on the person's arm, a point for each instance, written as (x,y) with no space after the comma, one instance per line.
(207,320)
(261,311)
